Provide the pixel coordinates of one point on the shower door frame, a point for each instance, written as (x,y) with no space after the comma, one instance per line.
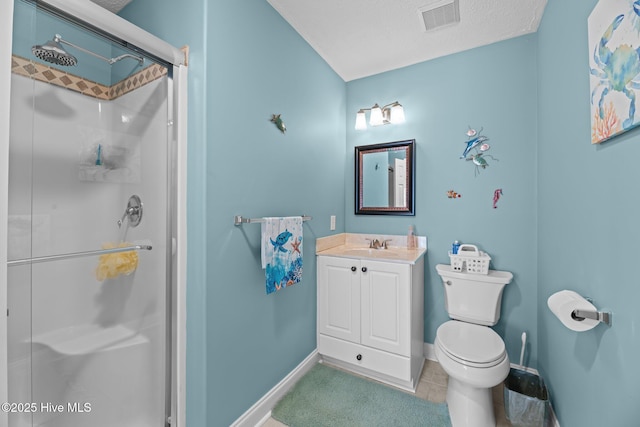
(6,33)
(118,27)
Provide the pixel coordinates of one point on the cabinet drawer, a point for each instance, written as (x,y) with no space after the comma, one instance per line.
(385,363)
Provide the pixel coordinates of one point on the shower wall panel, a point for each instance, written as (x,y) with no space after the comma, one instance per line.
(74,339)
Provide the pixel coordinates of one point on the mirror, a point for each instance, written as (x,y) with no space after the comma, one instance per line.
(385,178)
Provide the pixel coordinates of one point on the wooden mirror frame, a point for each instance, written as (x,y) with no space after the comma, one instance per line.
(409,209)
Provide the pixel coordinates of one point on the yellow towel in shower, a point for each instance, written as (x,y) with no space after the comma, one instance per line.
(113,265)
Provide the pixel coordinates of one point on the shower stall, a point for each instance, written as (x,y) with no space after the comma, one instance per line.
(92,206)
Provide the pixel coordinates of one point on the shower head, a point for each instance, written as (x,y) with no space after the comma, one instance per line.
(52,51)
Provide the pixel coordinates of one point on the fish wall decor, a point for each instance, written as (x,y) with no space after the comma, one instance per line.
(475,150)
(277,120)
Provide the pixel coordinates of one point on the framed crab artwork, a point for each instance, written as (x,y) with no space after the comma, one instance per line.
(614,67)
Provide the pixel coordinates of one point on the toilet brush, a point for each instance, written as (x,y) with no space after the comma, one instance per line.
(524,341)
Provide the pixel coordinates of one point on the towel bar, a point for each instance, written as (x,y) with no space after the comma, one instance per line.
(239,219)
(47,258)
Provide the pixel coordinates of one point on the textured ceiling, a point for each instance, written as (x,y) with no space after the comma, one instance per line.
(112,5)
(359,38)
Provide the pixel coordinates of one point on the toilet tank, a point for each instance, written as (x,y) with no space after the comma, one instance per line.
(473,298)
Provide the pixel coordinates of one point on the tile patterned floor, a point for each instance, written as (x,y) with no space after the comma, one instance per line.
(433,387)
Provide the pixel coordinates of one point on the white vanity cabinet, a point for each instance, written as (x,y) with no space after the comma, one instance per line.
(371,317)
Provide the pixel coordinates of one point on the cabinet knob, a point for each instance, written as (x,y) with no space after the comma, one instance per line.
(364,269)
(353,268)
(359,357)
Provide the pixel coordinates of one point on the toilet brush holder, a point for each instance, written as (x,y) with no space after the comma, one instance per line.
(526,399)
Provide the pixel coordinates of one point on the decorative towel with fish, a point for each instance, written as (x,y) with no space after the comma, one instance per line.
(282,252)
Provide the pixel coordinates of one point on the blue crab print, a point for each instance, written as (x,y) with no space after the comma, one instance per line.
(617,70)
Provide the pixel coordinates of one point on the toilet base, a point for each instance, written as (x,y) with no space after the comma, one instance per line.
(469,406)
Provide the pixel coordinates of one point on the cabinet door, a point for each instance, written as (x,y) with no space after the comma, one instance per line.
(386,306)
(339,298)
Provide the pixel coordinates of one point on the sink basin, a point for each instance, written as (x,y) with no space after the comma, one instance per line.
(371,253)
(356,246)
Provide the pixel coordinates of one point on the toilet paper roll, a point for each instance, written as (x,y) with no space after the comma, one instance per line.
(563,303)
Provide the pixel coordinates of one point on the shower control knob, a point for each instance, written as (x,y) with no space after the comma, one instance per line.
(364,269)
(353,268)
(359,357)
(133,212)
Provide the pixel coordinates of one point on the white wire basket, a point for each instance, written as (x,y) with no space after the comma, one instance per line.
(470,260)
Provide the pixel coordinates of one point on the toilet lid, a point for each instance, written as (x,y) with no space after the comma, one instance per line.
(474,344)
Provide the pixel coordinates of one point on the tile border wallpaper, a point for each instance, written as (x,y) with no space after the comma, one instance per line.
(35,70)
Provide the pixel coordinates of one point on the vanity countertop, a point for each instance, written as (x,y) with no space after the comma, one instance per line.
(350,245)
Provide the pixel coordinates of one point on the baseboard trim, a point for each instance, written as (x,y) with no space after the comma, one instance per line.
(430,352)
(260,412)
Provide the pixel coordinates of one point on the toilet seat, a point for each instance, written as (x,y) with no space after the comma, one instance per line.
(471,345)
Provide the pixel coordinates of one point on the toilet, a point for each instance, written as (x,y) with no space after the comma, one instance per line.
(469,351)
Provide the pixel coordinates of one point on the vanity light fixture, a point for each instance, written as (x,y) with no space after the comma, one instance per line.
(390,113)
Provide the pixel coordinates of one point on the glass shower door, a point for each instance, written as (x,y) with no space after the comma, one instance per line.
(89,230)
(19,232)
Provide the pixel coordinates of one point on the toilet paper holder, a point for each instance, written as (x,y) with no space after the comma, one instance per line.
(600,316)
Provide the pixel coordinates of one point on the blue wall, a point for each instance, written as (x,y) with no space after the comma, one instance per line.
(587,213)
(492,87)
(260,66)
(253,65)
(565,219)
(375,171)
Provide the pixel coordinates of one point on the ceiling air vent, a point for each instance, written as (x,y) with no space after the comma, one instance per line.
(440,14)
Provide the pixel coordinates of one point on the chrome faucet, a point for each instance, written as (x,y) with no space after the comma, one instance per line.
(377,244)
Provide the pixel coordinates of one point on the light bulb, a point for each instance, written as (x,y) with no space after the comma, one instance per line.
(361,120)
(376,116)
(397,113)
